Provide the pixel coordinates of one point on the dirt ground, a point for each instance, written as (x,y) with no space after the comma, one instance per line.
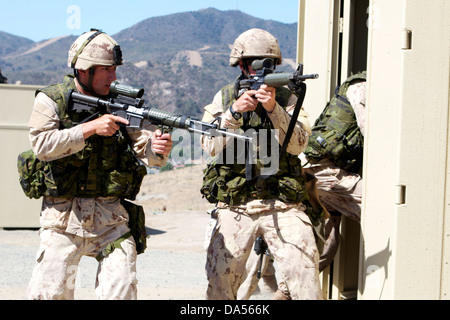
(172,267)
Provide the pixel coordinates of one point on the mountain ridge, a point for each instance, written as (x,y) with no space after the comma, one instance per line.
(181,59)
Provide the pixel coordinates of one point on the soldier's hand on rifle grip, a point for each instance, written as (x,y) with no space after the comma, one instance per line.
(246,102)
(106,125)
(266,95)
(161,143)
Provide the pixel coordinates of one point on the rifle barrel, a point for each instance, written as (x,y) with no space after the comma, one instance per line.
(284,78)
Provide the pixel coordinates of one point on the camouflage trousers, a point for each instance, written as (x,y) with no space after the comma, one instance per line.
(57,262)
(290,238)
(340,192)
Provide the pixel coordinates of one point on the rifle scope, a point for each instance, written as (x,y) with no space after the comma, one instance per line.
(126,90)
(263,63)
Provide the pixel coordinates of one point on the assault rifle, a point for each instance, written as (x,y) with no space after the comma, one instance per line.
(126,102)
(265,74)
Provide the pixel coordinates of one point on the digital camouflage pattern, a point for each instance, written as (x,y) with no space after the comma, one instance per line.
(335,134)
(31,174)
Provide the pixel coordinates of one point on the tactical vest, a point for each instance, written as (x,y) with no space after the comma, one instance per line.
(336,134)
(227,183)
(107,166)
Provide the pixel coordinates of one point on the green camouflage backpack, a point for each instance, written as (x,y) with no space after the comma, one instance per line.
(335,134)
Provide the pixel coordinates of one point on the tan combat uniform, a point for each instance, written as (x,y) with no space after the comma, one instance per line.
(285,227)
(71,228)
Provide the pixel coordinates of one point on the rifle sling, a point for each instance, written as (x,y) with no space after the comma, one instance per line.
(301,91)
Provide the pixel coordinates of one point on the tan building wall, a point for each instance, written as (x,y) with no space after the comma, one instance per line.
(405,225)
(405,228)
(16,102)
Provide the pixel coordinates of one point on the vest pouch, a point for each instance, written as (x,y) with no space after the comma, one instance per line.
(61,177)
(129,170)
(355,141)
(109,152)
(220,183)
(315,149)
(325,142)
(234,192)
(352,156)
(136,223)
(124,183)
(291,190)
(344,151)
(118,183)
(209,186)
(138,176)
(31,174)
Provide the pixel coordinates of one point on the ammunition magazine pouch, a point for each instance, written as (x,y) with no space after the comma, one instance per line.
(228,184)
(66,178)
(31,174)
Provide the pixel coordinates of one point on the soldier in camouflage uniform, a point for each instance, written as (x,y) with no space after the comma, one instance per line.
(271,206)
(334,156)
(90,167)
(336,164)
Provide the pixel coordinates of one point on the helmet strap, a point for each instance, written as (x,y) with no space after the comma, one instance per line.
(91,78)
(87,88)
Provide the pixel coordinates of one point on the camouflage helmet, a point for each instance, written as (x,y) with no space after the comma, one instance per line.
(255,43)
(94,48)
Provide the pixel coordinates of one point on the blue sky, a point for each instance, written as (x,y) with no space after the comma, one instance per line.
(43,19)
